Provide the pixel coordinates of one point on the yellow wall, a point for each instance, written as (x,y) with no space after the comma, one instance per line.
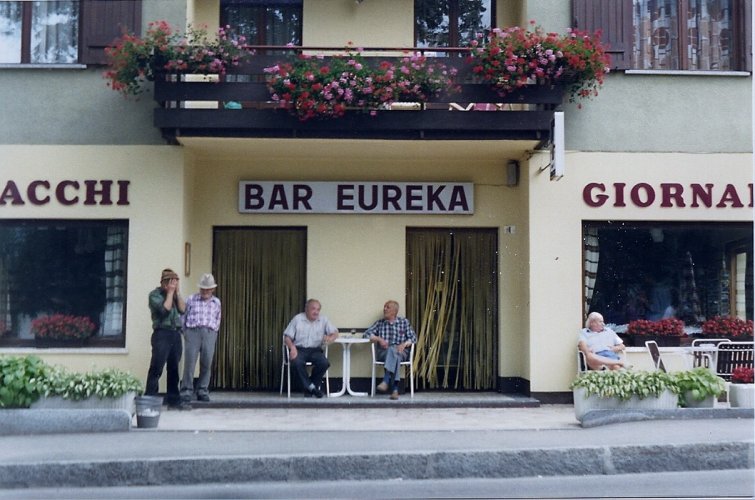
(156,228)
(556,215)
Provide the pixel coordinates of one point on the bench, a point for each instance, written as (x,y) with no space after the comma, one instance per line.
(732,355)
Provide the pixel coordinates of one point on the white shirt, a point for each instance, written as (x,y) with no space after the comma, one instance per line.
(599,341)
(306,333)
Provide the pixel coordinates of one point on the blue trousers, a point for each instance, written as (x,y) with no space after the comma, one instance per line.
(320,365)
(392,358)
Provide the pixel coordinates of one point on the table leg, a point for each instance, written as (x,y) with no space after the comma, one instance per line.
(344,370)
(347,378)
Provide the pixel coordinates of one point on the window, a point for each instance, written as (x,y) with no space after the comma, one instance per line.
(74,268)
(63,31)
(451,23)
(264,22)
(692,271)
(687,35)
(690,35)
(39,32)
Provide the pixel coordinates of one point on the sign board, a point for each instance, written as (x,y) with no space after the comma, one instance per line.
(437,198)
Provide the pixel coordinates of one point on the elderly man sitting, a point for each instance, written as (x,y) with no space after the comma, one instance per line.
(600,345)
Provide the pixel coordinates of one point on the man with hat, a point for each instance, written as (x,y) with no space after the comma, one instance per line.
(166,307)
(201,322)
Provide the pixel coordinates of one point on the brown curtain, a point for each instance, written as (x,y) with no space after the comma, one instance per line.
(452,295)
(261,275)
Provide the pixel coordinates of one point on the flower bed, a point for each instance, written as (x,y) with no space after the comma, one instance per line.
(62,327)
(666,332)
(728,327)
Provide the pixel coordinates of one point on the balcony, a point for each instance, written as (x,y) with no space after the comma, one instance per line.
(192,109)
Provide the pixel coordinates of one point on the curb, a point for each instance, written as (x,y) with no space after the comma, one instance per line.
(596,418)
(606,460)
(43,421)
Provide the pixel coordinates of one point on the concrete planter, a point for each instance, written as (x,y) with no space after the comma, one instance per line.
(691,402)
(582,404)
(125,402)
(742,395)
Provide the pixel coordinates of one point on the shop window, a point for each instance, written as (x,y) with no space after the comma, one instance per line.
(451,23)
(691,271)
(74,271)
(687,35)
(63,31)
(264,22)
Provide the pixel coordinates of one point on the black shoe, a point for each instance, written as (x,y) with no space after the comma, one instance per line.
(203,397)
(316,393)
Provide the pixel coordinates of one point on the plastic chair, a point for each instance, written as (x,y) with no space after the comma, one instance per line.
(655,353)
(582,361)
(705,359)
(408,363)
(286,370)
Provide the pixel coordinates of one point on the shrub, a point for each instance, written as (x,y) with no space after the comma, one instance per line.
(62,326)
(725,326)
(742,375)
(669,327)
(624,384)
(699,384)
(21,380)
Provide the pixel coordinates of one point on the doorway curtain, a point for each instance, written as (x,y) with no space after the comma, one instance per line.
(452,295)
(261,275)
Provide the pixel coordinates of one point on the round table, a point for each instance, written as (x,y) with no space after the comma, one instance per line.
(346,343)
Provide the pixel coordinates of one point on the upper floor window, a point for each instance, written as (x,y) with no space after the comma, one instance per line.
(39,32)
(686,35)
(451,23)
(271,22)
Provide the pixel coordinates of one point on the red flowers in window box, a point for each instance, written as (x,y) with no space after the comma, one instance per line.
(62,326)
(742,375)
(726,326)
(669,327)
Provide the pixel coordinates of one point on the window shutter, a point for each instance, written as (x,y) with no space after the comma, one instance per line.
(614,19)
(102,21)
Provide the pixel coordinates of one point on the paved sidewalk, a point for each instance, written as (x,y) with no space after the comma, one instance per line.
(317,443)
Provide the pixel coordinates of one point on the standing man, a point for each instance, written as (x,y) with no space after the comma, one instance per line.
(166,307)
(394,337)
(304,337)
(201,322)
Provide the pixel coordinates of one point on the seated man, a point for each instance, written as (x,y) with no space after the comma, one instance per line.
(600,345)
(304,337)
(394,337)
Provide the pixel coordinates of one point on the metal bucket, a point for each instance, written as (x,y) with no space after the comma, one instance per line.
(148,411)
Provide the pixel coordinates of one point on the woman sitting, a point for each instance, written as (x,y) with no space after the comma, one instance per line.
(600,345)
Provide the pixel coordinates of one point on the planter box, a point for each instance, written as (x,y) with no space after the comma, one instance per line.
(125,402)
(582,404)
(742,395)
(662,341)
(708,402)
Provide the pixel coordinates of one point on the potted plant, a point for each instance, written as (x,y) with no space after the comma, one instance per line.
(22,380)
(515,57)
(728,327)
(104,389)
(698,388)
(133,60)
(62,327)
(666,332)
(623,390)
(742,389)
(315,87)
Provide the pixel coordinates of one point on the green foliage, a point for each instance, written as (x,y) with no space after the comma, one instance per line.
(108,383)
(699,384)
(26,378)
(623,384)
(22,380)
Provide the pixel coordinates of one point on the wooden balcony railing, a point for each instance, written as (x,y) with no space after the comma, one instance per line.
(201,109)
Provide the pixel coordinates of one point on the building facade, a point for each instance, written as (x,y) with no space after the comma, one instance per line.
(495,247)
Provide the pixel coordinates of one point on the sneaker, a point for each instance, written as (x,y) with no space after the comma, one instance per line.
(394,395)
(203,397)
(382,387)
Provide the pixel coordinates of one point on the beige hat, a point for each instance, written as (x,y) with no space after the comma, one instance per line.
(207,282)
(168,274)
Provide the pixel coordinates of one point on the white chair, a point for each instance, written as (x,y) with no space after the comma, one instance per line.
(582,361)
(706,359)
(286,370)
(409,363)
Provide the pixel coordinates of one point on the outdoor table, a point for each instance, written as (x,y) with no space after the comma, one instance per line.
(346,343)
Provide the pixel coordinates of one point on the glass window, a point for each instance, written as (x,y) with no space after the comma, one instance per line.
(65,272)
(264,22)
(683,35)
(451,23)
(39,32)
(691,271)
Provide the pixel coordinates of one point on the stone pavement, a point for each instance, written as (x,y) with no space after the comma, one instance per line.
(305,439)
